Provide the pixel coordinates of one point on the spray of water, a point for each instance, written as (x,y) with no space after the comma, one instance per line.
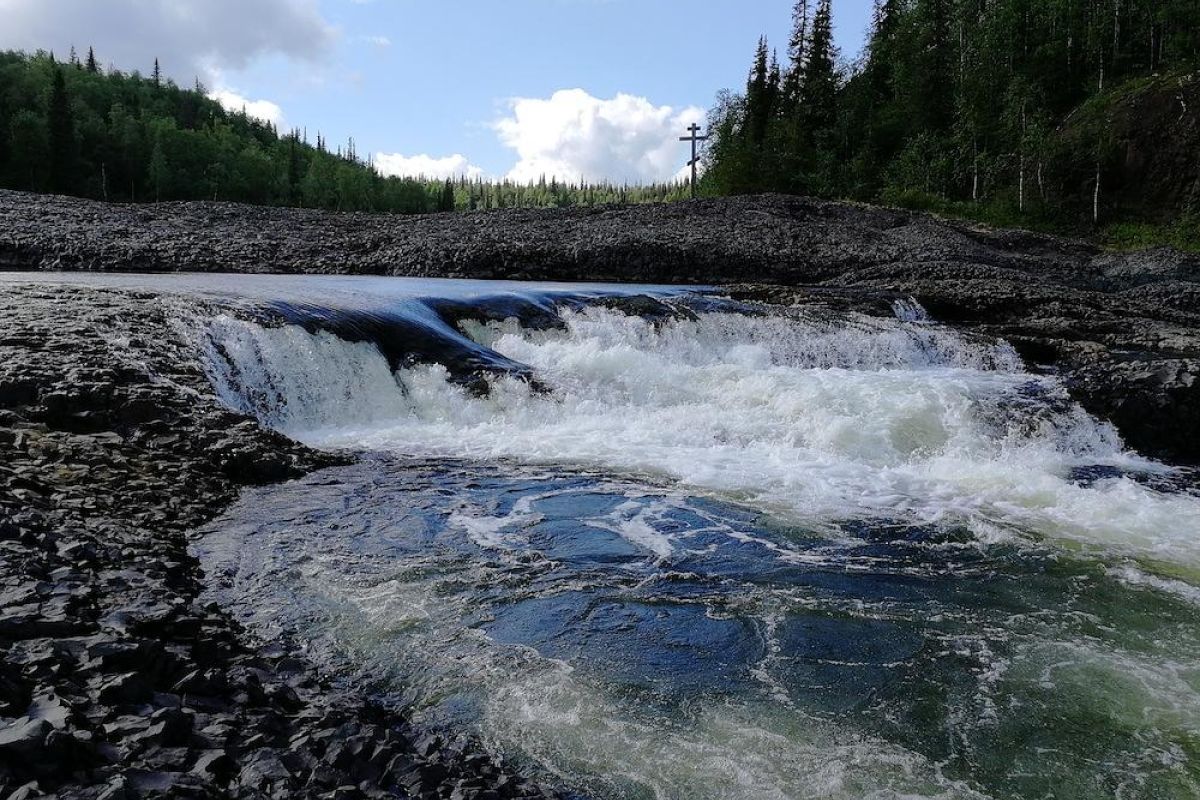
(812,419)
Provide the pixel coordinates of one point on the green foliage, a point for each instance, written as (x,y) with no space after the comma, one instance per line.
(995,109)
(160,172)
(819,83)
(29,150)
(118,136)
(1184,235)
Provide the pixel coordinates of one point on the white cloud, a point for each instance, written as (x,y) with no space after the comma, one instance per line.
(573,134)
(378,41)
(264,110)
(189,37)
(425,166)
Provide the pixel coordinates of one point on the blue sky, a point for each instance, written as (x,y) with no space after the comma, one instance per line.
(476,86)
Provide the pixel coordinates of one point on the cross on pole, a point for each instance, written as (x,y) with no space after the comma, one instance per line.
(695,138)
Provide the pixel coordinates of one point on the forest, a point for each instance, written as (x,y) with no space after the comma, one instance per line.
(1080,116)
(1060,114)
(73,127)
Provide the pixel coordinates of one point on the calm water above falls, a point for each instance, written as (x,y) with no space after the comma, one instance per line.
(786,555)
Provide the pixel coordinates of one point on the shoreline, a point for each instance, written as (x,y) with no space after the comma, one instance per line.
(116,679)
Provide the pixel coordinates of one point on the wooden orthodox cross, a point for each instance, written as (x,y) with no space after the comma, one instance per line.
(695,139)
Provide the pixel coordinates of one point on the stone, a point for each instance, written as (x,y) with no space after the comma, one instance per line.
(214,765)
(27,791)
(167,727)
(25,740)
(51,708)
(262,770)
(124,689)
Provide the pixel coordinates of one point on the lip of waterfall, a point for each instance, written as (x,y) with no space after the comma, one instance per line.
(430,330)
(414,334)
(414,322)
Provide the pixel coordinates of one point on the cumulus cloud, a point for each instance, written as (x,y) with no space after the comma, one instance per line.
(425,166)
(189,37)
(264,110)
(573,135)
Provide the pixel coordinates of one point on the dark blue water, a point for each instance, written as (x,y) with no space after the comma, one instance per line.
(635,641)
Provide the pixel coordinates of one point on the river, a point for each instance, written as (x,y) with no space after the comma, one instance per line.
(720,551)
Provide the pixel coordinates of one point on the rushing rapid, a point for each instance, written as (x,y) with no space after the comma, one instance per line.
(812,419)
(718,551)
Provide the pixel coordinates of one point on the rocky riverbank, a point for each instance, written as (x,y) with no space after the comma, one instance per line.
(116,679)
(1123,329)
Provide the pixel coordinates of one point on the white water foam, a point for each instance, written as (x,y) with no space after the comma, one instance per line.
(811,419)
(295,380)
(636,523)
(497,532)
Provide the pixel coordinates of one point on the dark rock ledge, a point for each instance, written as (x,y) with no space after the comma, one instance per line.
(115,680)
(1122,329)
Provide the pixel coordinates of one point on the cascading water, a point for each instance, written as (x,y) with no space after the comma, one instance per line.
(731,555)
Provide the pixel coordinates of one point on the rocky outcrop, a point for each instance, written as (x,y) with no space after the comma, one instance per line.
(1122,328)
(116,679)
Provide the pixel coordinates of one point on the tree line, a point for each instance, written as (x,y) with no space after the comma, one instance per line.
(72,127)
(993,108)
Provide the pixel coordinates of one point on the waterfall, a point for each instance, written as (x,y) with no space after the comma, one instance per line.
(817,418)
(709,551)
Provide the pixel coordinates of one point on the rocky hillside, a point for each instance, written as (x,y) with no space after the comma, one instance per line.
(1153,125)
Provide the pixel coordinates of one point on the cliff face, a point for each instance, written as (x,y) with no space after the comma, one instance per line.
(1122,329)
(1148,132)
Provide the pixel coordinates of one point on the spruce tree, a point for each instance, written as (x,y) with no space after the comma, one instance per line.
(157,77)
(158,169)
(818,94)
(61,128)
(774,85)
(879,74)
(758,96)
(294,169)
(933,92)
(29,145)
(797,46)
(92,66)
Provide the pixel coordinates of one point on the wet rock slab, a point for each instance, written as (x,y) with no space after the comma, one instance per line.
(116,680)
